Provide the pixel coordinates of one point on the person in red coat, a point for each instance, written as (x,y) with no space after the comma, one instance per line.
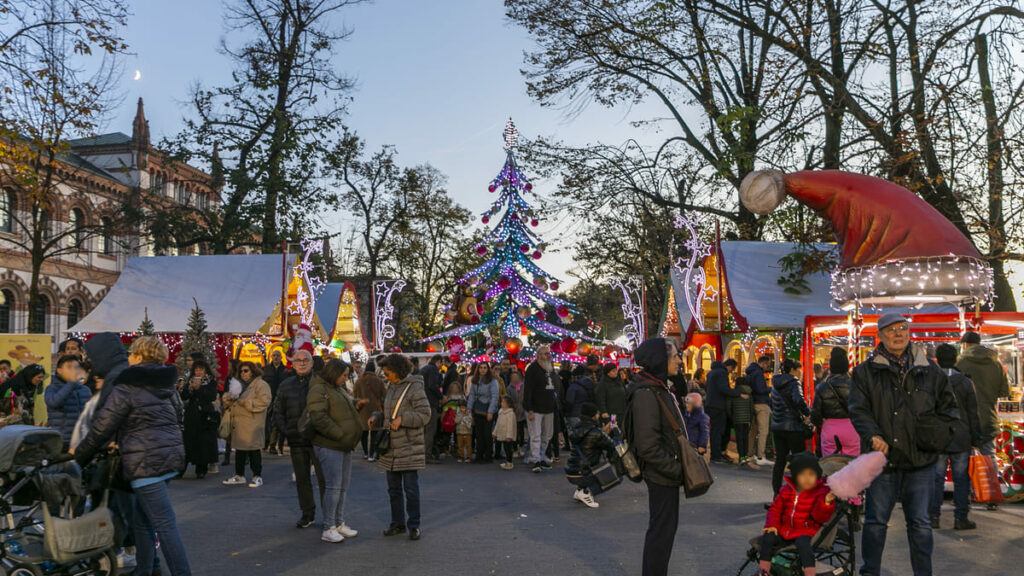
(802,506)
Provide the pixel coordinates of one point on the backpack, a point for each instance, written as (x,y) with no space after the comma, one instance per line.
(448,421)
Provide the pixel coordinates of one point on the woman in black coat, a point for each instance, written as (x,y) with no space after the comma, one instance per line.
(141,415)
(201,419)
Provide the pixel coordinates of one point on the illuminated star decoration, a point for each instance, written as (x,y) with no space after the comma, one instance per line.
(384,310)
(632,307)
(692,267)
(305,301)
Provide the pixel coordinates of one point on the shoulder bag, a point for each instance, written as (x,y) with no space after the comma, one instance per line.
(697,477)
(806,428)
(383,443)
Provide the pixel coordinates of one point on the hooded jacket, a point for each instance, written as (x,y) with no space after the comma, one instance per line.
(580,392)
(796,514)
(831,399)
(611,396)
(141,416)
(107,359)
(650,434)
(698,427)
(967,430)
(590,443)
(883,405)
(788,405)
(758,385)
(990,384)
(718,387)
(64,403)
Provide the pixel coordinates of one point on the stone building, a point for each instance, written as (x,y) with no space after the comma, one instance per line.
(96,174)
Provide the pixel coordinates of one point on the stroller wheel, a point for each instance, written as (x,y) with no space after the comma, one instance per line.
(24,570)
(104,564)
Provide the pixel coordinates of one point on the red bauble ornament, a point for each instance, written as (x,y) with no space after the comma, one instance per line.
(534,222)
(454,357)
(562,311)
(479,308)
(521,364)
(524,248)
(553,285)
(481,250)
(569,345)
(513,346)
(529,186)
(474,319)
(556,347)
(485,219)
(514,216)
(492,188)
(434,347)
(504,282)
(536,254)
(541,315)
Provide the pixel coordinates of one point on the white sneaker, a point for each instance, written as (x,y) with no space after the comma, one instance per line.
(331,535)
(346,531)
(125,559)
(763,462)
(293,477)
(585,497)
(256,482)
(236,481)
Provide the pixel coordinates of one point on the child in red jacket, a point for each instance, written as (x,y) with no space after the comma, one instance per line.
(803,505)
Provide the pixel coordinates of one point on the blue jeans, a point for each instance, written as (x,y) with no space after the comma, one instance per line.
(914,489)
(337,467)
(405,484)
(959,463)
(154,513)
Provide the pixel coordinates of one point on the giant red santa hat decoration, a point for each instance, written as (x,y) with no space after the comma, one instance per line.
(894,248)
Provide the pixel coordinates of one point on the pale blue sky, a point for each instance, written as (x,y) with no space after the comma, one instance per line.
(436,78)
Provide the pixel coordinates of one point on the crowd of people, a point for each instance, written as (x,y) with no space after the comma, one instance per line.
(403,415)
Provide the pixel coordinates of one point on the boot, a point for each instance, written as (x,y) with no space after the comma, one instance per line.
(935,523)
(964,524)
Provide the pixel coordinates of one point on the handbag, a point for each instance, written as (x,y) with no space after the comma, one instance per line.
(224,429)
(985,479)
(607,476)
(697,477)
(383,443)
(806,428)
(115,473)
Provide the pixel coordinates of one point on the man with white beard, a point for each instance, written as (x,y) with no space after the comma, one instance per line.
(539,404)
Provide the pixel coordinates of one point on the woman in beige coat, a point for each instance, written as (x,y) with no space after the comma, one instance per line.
(248,424)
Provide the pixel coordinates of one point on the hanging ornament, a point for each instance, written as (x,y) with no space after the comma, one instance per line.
(523,330)
(455,345)
(562,311)
(523,312)
(455,357)
(568,345)
(541,315)
(536,254)
(534,222)
(504,282)
(524,248)
(584,348)
(481,250)
(492,188)
(513,346)
(485,219)
(434,347)
(538,281)
(529,186)
(553,285)
(479,308)
(500,244)
(513,216)
(504,181)
(556,347)
(567,320)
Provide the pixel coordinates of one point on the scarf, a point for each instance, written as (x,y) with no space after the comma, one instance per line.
(901,363)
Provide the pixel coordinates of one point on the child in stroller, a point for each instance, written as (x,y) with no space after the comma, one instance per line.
(803,505)
(45,526)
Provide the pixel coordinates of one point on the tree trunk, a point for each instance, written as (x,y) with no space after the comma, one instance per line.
(34,327)
(833,106)
(994,140)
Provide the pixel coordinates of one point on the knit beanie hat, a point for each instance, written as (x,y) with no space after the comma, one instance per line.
(804,461)
(945,355)
(838,361)
(588,410)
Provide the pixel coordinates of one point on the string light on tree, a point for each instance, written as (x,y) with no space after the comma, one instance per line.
(506,295)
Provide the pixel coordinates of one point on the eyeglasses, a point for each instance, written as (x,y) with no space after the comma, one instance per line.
(901,328)
(302,361)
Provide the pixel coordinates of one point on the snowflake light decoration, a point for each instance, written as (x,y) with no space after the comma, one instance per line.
(305,300)
(384,310)
(694,289)
(632,288)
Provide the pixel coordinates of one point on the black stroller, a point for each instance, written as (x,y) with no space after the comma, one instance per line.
(835,545)
(45,526)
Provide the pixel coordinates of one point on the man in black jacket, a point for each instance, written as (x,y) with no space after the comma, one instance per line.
(967,434)
(899,402)
(719,391)
(657,450)
(539,404)
(432,378)
(291,401)
(273,374)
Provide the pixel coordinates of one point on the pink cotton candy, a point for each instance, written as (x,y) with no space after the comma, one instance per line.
(856,476)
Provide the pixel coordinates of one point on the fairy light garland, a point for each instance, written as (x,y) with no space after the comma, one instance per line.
(952,279)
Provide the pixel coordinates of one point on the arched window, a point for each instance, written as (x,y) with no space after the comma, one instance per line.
(74,312)
(76,236)
(46,224)
(6,311)
(106,238)
(7,204)
(39,315)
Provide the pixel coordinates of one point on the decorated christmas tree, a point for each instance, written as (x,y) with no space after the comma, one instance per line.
(146,328)
(196,339)
(509,297)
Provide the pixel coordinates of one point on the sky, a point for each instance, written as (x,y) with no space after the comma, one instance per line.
(436,79)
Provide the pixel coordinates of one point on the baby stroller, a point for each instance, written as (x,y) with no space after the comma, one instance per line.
(835,547)
(44,527)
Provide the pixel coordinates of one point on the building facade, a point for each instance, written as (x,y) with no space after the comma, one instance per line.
(96,174)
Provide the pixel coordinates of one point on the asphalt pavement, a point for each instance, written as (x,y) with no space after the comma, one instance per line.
(479,519)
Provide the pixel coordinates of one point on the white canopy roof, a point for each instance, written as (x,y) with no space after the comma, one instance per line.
(236,292)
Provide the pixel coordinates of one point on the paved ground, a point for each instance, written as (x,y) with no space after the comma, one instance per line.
(482,520)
